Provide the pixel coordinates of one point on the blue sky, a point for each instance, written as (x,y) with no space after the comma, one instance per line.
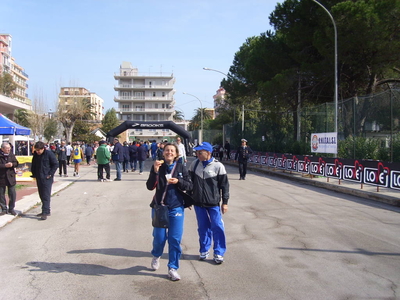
(82,43)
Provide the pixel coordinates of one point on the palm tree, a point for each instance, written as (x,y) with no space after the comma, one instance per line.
(21,116)
(195,123)
(179,116)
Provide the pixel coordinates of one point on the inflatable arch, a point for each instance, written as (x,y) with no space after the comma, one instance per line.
(151,125)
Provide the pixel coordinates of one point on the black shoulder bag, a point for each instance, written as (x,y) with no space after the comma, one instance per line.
(161,211)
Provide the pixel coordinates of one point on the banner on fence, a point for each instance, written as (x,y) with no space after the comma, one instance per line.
(324,142)
(378,173)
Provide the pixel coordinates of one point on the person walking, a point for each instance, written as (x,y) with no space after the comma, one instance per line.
(210,184)
(68,152)
(243,154)
(118,158)
(62,159)
(77,156)
(88,153)
(8,163)
(133,156)
(103,156)
(141,156)
(153,150)
(44,166)
(125,163)
(227,147)
(182,151)
(170,179)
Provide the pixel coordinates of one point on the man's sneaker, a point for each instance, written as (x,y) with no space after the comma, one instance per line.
(204,255)
(100,179)
(12,212)
(173,275)
(107,180)
(74,173)
(155,263)
(140,173)
(219,259)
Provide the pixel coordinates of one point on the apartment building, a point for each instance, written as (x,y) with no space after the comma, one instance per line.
(144,97)
(70,95)
(19,100)
(219,99)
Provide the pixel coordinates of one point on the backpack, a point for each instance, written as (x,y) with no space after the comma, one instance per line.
(76,151)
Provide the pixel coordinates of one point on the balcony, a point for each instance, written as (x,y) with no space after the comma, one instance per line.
(135,74)
(145,110)
(143,87)
(142,98)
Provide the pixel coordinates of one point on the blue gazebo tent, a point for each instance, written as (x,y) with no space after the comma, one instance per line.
(8,127)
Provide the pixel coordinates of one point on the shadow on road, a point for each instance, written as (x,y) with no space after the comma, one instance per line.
(89,269)
(356,251)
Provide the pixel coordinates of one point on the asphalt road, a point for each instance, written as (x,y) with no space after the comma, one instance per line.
(285,241)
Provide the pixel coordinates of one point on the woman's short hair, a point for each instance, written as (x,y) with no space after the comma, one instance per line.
(176,149)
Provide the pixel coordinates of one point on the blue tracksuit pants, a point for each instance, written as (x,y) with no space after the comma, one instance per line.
(211,226)
(174,236)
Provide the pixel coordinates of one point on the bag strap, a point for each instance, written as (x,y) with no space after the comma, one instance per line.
(166,186)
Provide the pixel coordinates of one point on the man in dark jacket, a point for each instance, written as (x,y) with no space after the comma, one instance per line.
(133,156)
(8,163)
(44,166)
(210,184)
(125,163)
(142,156)
(117,156)
(62,159)
(243,154)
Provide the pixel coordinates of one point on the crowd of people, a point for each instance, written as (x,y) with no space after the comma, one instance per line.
(204,185)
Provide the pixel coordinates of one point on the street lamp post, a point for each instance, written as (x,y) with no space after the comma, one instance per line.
(336,67)
(201,117)
(208,69)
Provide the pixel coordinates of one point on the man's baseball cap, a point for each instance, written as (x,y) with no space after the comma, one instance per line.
(204,146)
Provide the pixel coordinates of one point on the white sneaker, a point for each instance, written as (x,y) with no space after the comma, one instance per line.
(140,173)
(204,255)
(155,263)
(219,259)
(173,275)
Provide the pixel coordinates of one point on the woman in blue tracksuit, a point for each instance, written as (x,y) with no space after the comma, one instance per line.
(175,197)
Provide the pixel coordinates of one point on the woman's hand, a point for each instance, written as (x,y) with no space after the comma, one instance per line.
(157,164)
(173,181)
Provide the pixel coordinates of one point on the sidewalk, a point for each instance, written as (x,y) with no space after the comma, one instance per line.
(29,197)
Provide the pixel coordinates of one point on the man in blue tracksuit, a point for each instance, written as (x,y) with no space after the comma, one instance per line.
(210,184)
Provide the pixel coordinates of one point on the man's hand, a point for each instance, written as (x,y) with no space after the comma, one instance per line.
(224,208)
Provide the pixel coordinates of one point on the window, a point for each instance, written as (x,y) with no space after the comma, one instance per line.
(163,94)
(156,105)
(154,94)
(163,105)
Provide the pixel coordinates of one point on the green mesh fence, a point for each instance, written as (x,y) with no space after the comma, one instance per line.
(368,128)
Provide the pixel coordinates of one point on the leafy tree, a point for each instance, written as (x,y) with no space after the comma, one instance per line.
(82,131)
(7,85)
(69,114)
(110,120)
(50,129)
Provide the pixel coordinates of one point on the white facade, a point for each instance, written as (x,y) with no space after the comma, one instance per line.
(144,97)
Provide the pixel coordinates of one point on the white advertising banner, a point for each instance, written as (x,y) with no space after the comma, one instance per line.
(324,142)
